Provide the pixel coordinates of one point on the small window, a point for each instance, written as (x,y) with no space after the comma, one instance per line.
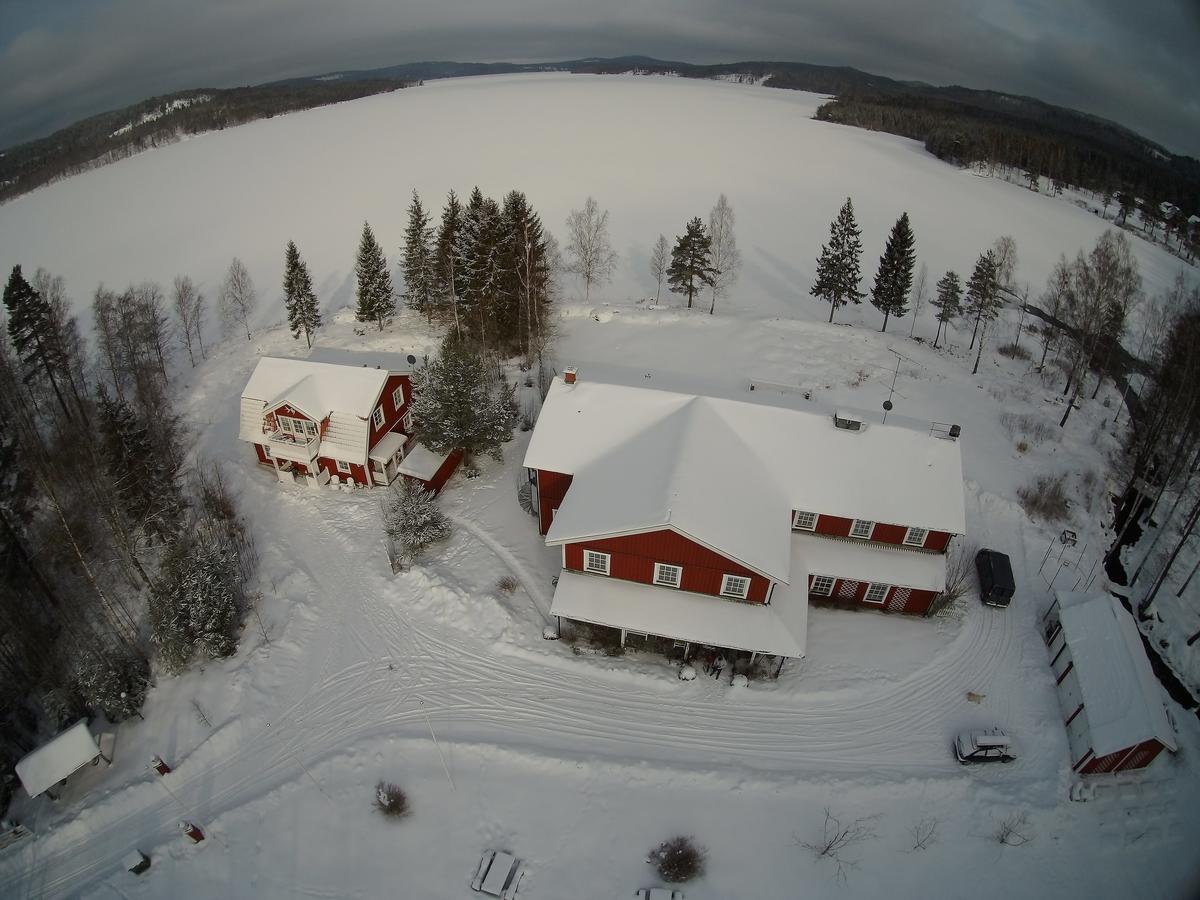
(266,451)
(309,427)
(735,586)
(398,397)
(343,466)
(915,537)
(408,422)
(876,593)
(862,529)
(377,417)
(596,562)
(822,585)
(804,521)
(668,575)
(285,424)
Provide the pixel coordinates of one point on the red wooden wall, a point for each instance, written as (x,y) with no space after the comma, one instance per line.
(391,415)
(848,592)
(838,526)
(1124,760)
(552,487)
(634,556)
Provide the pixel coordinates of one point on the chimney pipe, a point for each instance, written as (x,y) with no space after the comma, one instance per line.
(569,374)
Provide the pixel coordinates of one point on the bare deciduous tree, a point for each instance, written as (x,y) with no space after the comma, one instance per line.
(924,833)
(660,258)
(837,837)
(726,258)
(920,293)
(589,248)
(189,307)
(237,299)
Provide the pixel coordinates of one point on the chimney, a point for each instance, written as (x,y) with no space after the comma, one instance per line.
(569,374)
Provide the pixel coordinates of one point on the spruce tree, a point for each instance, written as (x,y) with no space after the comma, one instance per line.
(35,339)
(948,302)
(444,260)
(838,268)
(983,293)
(376,299)
(419,268)
(525,267)
(691,261)
(894,278)
(303,312)
(412,520)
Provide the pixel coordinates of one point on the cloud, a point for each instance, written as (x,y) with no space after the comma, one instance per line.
(1134,63)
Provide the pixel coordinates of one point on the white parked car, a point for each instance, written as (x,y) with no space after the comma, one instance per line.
(987,745)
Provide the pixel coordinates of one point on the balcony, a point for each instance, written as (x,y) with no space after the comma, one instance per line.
(295,448)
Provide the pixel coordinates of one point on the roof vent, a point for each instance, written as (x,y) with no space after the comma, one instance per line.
(847,421)
(569,374)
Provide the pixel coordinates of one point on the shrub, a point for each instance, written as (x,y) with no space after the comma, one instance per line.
(678,859)
(391,800)
(507,584)
(1013,351)
(1045,499)
(412,520)
(1034,429)
(959,564)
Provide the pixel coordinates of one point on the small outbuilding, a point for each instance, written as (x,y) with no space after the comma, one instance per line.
(65,754)
(1111,702)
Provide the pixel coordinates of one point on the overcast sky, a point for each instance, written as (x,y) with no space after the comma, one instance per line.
(1134,61)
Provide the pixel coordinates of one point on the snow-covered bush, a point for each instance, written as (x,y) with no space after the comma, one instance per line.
(116,686)
(391,800)
(678,859)
(507,584)
(412,520)
(1013,351)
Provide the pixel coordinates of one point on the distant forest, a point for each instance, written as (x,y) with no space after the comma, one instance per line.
(960,125)
(161,120)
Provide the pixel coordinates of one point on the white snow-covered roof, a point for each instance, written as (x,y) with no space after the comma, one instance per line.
(387,446)
(778,628)
(667,475)
(1122,699)
(884,473)
(422,462)
(65,753)
(345,395)
(849,558)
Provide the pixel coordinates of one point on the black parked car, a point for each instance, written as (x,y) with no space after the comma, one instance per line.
(996,586)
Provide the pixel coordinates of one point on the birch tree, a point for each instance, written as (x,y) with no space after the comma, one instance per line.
(236,299)
(189,309)
(589,250)
(725,258)
(660,258)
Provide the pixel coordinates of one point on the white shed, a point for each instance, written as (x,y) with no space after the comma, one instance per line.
(65,753)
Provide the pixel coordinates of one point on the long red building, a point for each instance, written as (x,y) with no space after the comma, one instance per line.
(715,522)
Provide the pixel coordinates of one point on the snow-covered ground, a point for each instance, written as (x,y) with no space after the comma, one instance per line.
(439,681)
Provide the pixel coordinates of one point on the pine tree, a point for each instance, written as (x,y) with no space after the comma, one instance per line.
(412,520)
(145,488)
(31,327)
(419,261)
(479,264)
(444,260)
(525,266)
(894,278)
(303,312)
(838,268)
(983,293)
(691,261)
(455,406)
(376,299)
(948,302)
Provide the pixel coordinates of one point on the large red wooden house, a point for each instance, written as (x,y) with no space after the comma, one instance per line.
(715,522)
(323,422)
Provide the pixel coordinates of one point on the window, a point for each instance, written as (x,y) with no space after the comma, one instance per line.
(596,562)
(398,397)
(285,423)
(735,586)
(377,417)
(805,521)
(915,537)
(343,466)
(668,575)
(266,451)
(862,529)
(309,427)
(876,593)
(408,422)
(822,585)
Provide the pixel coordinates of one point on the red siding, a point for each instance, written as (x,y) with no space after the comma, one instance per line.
(634,556)
(888,534)
(391,415)
(552,487)
(1137,757)
(262,455)
(447,468)
(938,540)
(357,472)
(833,525)
(848,592)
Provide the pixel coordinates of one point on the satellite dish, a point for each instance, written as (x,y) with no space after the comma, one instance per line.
(412,360)
(887,405)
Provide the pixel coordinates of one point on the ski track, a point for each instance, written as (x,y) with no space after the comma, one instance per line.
(406,672)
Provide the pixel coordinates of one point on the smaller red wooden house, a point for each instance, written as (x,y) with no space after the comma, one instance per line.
(326,422)
(1111,702)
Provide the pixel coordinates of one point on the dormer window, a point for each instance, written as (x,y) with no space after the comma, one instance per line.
(862,528)
(285,423)
(804,521)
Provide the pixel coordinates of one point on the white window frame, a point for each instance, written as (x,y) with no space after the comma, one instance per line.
(266,450)
(819,587)
(727,591)
(659,568)
(796,520)
(862,537)
(310,428)
(872,586)
(407,426)
(592,557)
(377,417)
(343,467)
(911,532)
(398,397)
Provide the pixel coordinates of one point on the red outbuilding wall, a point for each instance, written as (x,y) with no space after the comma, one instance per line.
(883,533)
(1123,760)
(551,487)
(633,558)
(848,592)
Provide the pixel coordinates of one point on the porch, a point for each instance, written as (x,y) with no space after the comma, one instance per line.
(386,457)
(290,447)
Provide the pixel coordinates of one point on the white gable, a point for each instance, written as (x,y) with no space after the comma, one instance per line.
(1122,699)
(884,473)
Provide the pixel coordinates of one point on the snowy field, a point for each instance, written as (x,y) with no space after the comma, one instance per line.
(438,681)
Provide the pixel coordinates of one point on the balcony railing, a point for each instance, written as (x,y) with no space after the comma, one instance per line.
(298,448)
